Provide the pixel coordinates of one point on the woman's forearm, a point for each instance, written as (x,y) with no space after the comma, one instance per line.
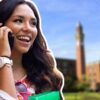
(7,81)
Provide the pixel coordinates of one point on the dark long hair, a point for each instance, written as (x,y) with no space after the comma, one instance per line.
(38,61)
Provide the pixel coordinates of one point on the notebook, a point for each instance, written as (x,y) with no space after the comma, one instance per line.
(51,95)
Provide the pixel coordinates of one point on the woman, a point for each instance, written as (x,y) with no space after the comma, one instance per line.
(33,69)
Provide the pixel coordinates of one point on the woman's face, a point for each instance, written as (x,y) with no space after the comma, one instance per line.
(23,25)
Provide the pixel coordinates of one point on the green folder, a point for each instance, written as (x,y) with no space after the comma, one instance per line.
(51,95)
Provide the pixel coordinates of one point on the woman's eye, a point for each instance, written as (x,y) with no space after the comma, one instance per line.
(18,20)
(33,23)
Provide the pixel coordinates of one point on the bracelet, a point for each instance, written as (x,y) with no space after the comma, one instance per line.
(6,57)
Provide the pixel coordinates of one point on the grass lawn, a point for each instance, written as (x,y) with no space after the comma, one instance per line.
(82,96)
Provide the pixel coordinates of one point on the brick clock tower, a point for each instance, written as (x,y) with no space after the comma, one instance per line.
(80,56)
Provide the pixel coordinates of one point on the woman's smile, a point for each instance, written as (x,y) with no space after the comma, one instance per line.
(24,38)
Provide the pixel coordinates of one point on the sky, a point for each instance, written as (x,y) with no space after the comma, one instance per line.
(59,21)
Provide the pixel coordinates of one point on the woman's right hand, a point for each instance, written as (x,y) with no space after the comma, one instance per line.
(4,43)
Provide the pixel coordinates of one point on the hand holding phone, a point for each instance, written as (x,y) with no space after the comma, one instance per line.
(10,37)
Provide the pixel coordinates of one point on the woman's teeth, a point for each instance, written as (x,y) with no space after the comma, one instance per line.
(24,38)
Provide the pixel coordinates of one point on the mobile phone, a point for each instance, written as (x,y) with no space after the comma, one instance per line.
(10,39)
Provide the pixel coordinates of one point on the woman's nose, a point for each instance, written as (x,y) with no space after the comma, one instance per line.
(26,26)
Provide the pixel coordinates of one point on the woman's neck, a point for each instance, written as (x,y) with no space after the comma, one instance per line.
(18,70)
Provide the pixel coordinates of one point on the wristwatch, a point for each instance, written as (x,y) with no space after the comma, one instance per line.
(5,60)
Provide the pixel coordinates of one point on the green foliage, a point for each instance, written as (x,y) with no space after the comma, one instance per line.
(73,85)
(70,84)
(82,86)
(82,96)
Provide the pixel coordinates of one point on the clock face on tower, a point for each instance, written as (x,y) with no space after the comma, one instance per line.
(78,43)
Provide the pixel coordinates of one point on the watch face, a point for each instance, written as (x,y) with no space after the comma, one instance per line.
(1,62)
(5,60)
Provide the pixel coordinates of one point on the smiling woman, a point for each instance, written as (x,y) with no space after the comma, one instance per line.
(23,25)
(33,69)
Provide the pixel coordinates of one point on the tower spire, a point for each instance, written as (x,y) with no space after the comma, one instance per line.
(80,56)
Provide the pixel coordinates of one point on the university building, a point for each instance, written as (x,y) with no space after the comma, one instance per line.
(78,67)
(93,75)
